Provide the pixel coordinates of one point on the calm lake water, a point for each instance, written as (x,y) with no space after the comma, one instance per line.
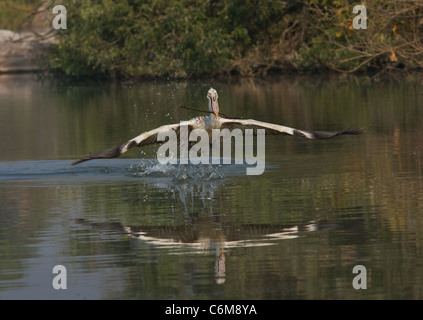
(130,228)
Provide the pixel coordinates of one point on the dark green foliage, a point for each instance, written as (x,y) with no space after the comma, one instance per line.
(160,37)
(186,38)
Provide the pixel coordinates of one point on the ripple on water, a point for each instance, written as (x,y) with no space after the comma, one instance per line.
(114,169)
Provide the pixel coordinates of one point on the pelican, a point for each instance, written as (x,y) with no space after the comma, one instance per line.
(213,121)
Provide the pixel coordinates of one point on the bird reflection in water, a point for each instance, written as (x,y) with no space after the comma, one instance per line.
(205,231)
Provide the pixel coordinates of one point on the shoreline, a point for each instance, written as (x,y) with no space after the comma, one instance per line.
(27,52)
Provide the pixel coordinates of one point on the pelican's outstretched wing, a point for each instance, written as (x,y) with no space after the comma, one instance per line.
(144,139)
(275,129)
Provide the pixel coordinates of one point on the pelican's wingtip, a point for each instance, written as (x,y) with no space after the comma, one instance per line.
(78,161)
(353,131)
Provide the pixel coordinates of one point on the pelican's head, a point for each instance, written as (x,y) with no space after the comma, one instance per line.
(213,104)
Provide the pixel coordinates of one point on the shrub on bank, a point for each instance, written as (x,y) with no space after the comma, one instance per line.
(161,37)
(188,38)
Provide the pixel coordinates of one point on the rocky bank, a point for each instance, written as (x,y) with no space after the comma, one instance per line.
(23,51)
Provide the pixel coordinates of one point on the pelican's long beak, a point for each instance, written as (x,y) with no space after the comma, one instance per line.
(215,106)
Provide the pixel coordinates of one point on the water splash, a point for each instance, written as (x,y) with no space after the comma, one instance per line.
(178,172)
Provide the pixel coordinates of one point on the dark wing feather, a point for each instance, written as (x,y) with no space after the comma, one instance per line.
(331,134)
(108,153)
